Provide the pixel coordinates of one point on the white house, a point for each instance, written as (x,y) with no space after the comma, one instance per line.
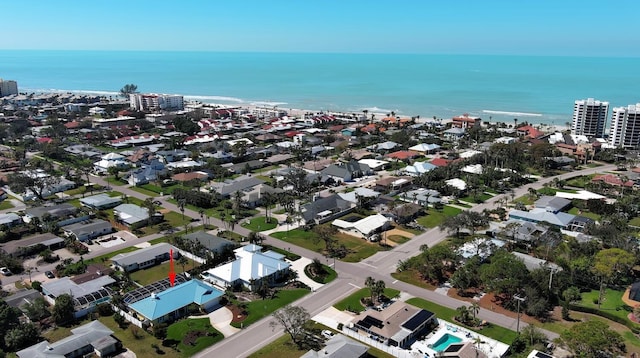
(365,227)
(249,268)
(110,160)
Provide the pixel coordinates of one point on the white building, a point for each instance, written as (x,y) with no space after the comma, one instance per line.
(625,127)
(8,87)
(156,102)
(589,117)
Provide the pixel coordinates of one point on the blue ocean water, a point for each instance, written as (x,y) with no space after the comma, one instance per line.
(532,88)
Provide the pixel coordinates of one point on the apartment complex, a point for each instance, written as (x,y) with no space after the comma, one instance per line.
(156,102)
(8,87)
(625,127)
(589,117)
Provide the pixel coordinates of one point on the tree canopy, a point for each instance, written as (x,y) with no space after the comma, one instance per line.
(128,89)
(293,320)
(592,338)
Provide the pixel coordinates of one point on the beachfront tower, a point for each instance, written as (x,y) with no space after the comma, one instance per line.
(589,117)
(8,87)
(156,102)
(625,127)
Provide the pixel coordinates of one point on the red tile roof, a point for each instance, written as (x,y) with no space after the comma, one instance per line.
(612,179)
(403,155)
(440,162)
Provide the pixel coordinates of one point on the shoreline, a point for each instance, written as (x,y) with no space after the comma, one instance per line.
(487,115)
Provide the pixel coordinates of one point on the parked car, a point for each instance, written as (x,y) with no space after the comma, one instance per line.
(327,333)
(49,274)
(5,271)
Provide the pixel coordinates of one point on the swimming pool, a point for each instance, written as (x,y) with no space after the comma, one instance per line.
(444,342)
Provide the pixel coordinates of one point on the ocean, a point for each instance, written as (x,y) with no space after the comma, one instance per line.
(536,89)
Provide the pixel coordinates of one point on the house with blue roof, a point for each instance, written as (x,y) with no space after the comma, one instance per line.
(173,304)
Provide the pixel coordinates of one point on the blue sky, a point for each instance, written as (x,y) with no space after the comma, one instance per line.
(542,27)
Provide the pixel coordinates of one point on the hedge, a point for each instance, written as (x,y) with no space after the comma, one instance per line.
(632,326)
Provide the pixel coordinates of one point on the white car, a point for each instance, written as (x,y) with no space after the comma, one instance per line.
(327,333)
(5,271)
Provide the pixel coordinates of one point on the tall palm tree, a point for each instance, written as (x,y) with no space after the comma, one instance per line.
(370,282)
(474,309)
(378,289)
(151,207)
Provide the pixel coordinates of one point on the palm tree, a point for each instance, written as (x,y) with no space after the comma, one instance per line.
(201,212)
(150,205)
(181,204)
(370,282)
(474,309)
(182,261)
(463,314)
(378,289)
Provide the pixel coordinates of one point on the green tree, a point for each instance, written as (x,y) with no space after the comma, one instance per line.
(9,318)
(608,264)
(151,207)
(505,274)
(128,89)
(63,310)
(592,339)
(21,337)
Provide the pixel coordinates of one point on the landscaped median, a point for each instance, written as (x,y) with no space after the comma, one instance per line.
(260,224)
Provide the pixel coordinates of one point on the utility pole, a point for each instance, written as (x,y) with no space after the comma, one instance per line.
(520,299)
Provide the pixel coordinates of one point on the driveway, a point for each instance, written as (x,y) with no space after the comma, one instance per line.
(220,319)
(298,266)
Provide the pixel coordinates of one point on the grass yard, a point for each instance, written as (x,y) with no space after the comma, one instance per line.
(352,302)
(635,221)
(612,302)
(581,181)
(6,204)
(480,198)
(587,214)
(525,200)
(492,331)
(159,272)
(260,224)
(230,235)
(283,347)
(412,277)
(288,254)
(358,248)
(181,329)
(262,308)
(434,217)
(398,239)
(174,219)
(144,191)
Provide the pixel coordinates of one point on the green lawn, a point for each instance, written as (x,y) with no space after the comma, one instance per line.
(612,302)
(352,302)
(283,347)
(288,254)
(481,198)
(262,308)
(144,191)
(492,331)
(260,224)
(587,214)
(412,277)
(159,272)
(114,181)
(174,219)
(635,221)
(179,330)
(398,239)
(581,181)
(230,235)
(434,217)
(358,248)
(6,204)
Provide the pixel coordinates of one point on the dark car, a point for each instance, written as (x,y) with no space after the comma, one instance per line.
(49,274)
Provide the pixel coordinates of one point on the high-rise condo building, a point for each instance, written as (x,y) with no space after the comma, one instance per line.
(625,127)
(155,102)
(8,87)
(589,117)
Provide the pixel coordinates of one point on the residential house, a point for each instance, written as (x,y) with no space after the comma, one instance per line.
(100,201)
(404,213)
(93,338)
(418,168)
(110,160)
(453,134)
(252,197)
(147,173)
(344,172)
(421,196)
(325,209)
(21,298)
(533,263)
(339,346)
(134,216)
(612,179)
(383,147)
(86,295)
(403,155)
(374,164)
(88,230)
(10,220)
(425,148)
(191,176)
(33,244)
(552,204)
(173,303)
(559,219)
(359,194)
(58,212)
(397,325)
(524,231)
(365,228)
(212,243)
(230,187)
(392,184)
(143,258)
(247,167)
(249,269)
